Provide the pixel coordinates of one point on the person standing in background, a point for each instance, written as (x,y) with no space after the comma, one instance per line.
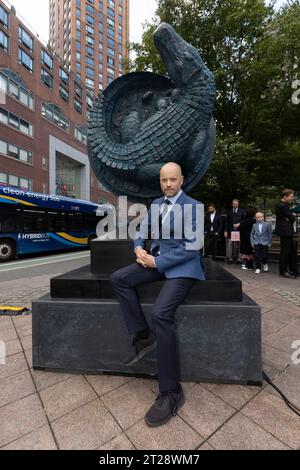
(213,225)
(245,227)
(234,217)
(285,220)
(261,240)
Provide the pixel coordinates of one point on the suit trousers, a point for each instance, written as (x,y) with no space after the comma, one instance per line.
(288,255)
(171,295)
(211,244)
(261,255)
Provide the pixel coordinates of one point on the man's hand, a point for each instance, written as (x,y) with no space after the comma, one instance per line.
(236,226)
(142,257)
(226,234)
(147,261)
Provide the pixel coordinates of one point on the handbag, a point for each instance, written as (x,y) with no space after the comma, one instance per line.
(235,237)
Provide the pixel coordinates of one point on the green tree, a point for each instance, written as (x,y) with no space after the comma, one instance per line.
(253,51)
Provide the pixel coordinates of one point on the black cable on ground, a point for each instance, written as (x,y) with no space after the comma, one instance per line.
(291,405)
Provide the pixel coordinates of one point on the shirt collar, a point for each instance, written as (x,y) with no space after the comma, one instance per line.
(174,198)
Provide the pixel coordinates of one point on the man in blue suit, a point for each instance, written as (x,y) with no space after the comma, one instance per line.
(177,261)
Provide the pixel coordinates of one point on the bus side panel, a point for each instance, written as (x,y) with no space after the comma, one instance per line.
(43,242)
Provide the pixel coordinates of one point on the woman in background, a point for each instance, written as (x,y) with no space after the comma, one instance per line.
(245,227)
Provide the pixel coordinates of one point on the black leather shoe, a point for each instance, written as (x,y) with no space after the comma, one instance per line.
(288,275)
(165,407)
(141,347)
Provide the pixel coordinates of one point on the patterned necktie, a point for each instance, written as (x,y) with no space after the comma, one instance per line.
(167,203)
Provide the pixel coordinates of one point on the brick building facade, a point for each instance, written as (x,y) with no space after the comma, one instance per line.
(43,109)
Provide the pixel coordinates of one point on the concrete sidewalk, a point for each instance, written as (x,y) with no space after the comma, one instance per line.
(42,410)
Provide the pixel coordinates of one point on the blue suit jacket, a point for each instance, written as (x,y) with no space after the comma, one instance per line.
(175,260)
(263,238)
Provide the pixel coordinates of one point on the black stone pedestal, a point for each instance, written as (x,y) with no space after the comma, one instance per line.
(79,326)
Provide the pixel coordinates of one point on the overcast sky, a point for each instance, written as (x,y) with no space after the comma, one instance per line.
(38,16)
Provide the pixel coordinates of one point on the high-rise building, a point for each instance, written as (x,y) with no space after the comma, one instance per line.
(43,110)
(91,37)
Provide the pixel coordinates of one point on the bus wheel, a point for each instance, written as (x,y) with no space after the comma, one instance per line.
(7,250)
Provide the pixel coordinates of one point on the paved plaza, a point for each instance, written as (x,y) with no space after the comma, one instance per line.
(43,410)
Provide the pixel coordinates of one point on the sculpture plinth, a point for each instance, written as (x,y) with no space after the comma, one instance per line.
(219,340)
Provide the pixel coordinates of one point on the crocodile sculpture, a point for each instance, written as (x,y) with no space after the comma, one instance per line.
(144,120)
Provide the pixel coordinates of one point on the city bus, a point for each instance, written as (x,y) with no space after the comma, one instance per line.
(38,223)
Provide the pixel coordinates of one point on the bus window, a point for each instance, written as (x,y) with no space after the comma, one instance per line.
(75,223)
(34,221)
(9,221)
(57,221)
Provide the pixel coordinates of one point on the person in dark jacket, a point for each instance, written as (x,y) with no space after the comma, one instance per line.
(245,228)
(285,220)
(234,216)
(213,227)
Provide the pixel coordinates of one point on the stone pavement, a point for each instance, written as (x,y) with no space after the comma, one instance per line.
(43,410)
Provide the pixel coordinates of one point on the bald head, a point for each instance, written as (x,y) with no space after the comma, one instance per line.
(171,167)
(171,179)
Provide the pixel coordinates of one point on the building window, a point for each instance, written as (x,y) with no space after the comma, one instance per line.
(25,38)
(16,181)
(89,61)
(110,71)
(25,60)
(89,51)
(77,106)
(110,61)
(64,93)
(89,41)
(111,32)
(64,76)
(3,41)
(90,30)
(90,9)
(78,90)
(47,78)
(111,51)
(16,91)
(47,59)
(15,152)
(3,16)
(81,135)
(110,12)
(89,101)
(15,122)
(89,72)
(44,163)
(89,19)
(54,116)
(110,22)
(90,83)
